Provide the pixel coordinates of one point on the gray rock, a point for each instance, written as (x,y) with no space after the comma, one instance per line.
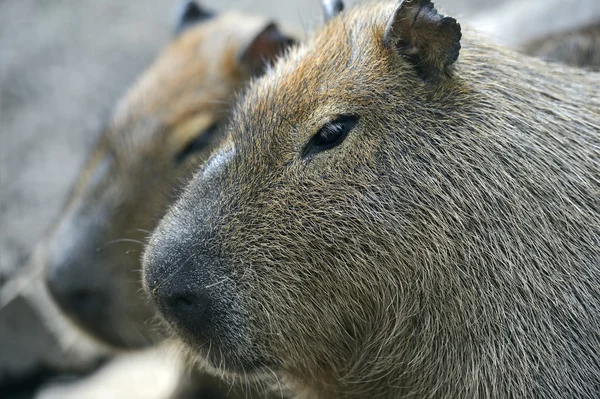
(23,337)
(35,338)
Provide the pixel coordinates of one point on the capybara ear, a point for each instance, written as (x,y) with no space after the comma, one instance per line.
(264,48)
(429,40)
(331,8)
(189,13)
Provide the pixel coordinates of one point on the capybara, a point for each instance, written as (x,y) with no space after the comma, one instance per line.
(167,123)
(578,47)
(401,209)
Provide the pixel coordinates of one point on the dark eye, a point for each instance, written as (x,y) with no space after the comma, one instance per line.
(202,141)
(330,135)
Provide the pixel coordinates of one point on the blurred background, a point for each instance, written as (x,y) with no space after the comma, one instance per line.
(63,65)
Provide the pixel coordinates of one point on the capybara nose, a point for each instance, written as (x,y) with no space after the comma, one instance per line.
(184,274)
(73,289)
(179,285)
(77,300)
(187,310)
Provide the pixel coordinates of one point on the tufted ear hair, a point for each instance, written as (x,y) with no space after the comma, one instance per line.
(427,39)
(188,14)
(265,48)
(331,8)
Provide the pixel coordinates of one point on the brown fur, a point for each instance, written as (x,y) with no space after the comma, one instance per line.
(135,169)
(449,247)
(578,48)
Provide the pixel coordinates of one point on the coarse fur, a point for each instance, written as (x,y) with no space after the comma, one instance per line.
(168,122)
(449,247)
(579,47)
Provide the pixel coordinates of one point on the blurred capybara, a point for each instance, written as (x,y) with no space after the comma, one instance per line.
(579,47)
(167,123)
(390,219)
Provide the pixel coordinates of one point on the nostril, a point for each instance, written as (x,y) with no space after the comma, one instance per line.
(79,302)
(83,298)
(184,301)
(187,307)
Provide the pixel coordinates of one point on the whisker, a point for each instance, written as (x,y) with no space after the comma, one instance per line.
(139,231)
(217,283)
(120,240)
(170,276)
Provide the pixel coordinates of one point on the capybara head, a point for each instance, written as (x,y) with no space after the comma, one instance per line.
(389,219)
(168,122)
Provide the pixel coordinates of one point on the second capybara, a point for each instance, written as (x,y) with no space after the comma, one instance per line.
(168,122)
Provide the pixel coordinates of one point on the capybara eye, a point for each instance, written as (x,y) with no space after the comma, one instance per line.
(331,134)
(203,139)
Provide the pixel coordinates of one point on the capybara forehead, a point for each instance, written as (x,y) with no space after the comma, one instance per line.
(334,72)
(198,73)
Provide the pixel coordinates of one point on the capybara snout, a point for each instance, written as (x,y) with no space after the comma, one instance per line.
(191,279)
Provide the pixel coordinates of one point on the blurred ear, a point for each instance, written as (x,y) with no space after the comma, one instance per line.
(331,8)
(264,48)
(427,39)
(189,13)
